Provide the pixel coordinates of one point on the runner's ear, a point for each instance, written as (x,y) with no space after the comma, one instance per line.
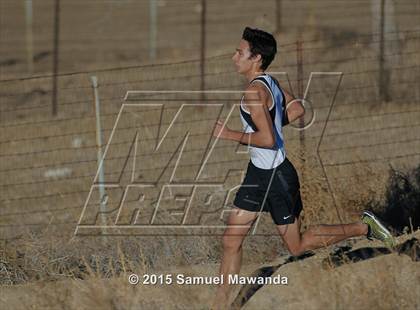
(256,58)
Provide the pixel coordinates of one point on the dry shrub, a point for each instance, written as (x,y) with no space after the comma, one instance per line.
(401,207)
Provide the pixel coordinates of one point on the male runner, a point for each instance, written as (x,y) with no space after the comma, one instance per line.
(271,183)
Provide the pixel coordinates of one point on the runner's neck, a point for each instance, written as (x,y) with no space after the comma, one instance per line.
(252,75)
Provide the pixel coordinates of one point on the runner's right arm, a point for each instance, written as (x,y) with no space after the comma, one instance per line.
(255,100)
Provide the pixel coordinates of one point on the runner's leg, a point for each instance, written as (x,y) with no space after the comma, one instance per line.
(239,223)
(317,236)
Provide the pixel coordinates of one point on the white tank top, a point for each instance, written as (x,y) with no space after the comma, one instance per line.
(266,158)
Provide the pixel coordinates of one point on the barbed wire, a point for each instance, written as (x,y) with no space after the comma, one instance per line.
(80,205)
(114,114)
(373,130)
(352,162)
(115,98)
(163,124)
(168,108)
(207,134)
(202,150)
(197,75)
(283,48)
(74,192)
(209,58)
(45,196)
(368,145)
(39,224)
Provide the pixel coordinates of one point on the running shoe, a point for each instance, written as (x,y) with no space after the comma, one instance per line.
(376,230)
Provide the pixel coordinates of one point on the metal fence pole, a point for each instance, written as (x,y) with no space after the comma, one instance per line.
(203,49)
(299,67)
(101,175)
(383,70)
(56,55)
(29,36)
(152,28)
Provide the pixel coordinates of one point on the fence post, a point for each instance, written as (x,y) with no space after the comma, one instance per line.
(383,70)
(203,49)
(55,56)
(152,29)
(102,195)
(29,36)
(299,67)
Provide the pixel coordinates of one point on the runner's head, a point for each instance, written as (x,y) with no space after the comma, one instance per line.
(261,43)
(255,52)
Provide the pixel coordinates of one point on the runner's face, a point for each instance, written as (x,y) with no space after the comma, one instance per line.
(242,57)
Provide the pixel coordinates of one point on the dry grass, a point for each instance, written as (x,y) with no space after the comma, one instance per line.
(385,282)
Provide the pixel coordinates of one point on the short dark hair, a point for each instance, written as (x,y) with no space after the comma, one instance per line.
(261,42)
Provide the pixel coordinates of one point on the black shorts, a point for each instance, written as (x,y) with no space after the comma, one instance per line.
(281,198)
